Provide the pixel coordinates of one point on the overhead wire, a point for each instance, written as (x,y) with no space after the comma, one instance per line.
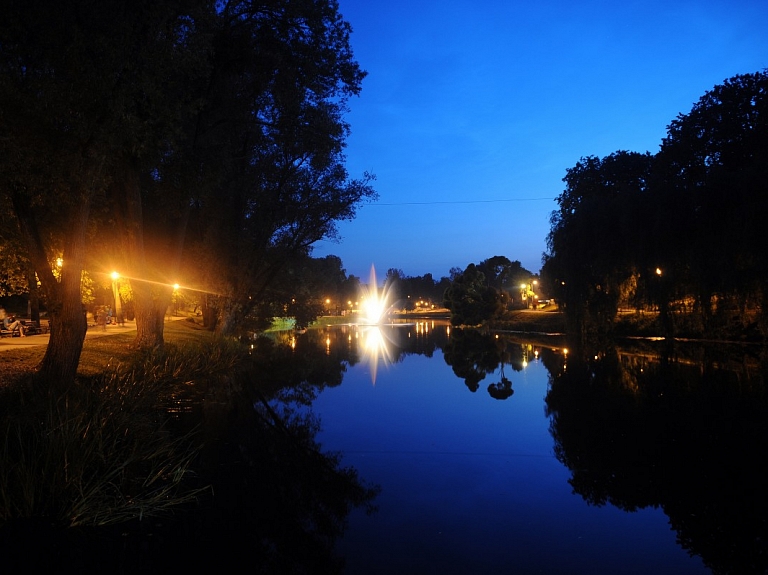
(436,202)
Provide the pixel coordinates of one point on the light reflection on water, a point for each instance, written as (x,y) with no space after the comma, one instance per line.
(470,483)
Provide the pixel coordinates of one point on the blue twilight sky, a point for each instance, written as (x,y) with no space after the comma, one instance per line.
(472,110)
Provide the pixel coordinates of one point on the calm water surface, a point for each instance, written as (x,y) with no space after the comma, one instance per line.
(471,483)
(492,453)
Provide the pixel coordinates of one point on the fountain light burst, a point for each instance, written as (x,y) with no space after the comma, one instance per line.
(374,308)
(375,304)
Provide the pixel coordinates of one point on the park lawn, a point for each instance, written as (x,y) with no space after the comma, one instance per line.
(98,353)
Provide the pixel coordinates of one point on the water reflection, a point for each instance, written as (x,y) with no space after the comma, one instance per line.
(377,346)
(474,355)
(275,502)
(681,429)
(684,430)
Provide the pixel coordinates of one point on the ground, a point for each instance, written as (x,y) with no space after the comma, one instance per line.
(99,351)
(20,356)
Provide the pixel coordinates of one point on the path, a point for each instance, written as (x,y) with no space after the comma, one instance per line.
(93,331)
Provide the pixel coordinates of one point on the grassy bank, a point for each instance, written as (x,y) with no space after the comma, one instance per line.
(99,354)
(154,461)
(101,451)
(530,321)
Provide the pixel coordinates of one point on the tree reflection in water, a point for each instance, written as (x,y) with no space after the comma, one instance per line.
(473,355)
(682,429)
(686,431)
(276,503)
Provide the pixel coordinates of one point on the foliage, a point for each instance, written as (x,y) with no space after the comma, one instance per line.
(13,277)
(679,232)
(592,235)
(160,138)
(424,288)
(270,138)
(471,300)
(483,292)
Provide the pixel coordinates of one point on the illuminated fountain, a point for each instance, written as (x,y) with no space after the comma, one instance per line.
(375,305)
(376,345)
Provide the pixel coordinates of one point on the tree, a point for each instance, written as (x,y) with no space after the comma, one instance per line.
(153,182)
(505,276)
(270,137)
(199,137)
(709,187)
(593,235)
(471,300)
(681,230)
(304,288)
(65,99)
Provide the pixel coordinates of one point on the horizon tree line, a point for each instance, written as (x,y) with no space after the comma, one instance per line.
(681,232)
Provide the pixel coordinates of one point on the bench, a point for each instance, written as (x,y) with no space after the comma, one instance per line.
(31,328)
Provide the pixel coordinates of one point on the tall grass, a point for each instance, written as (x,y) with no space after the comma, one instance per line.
(103,452)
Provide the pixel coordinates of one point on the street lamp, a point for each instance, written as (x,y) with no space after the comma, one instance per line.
(175,297)
(116,293)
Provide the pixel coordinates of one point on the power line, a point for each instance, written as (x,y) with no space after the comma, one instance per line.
(458,202)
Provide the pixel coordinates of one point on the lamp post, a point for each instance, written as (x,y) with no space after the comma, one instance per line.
(116,293)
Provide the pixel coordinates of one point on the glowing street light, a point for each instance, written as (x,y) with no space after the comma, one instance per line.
(116,293)
(528,293)
(175,297)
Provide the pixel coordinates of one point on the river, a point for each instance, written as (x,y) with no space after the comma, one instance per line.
(496,455)
(417,448)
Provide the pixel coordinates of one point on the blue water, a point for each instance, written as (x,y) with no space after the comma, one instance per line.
(470,484)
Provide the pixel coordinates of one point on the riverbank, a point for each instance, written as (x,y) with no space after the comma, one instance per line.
(533,321)
(20,356)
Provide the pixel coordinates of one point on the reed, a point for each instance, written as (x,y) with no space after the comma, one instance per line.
(104,452)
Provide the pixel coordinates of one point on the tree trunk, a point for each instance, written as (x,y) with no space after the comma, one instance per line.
(150,305)
(68,327)
(68,323)
(130,220)
(209,314)
(152,294)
